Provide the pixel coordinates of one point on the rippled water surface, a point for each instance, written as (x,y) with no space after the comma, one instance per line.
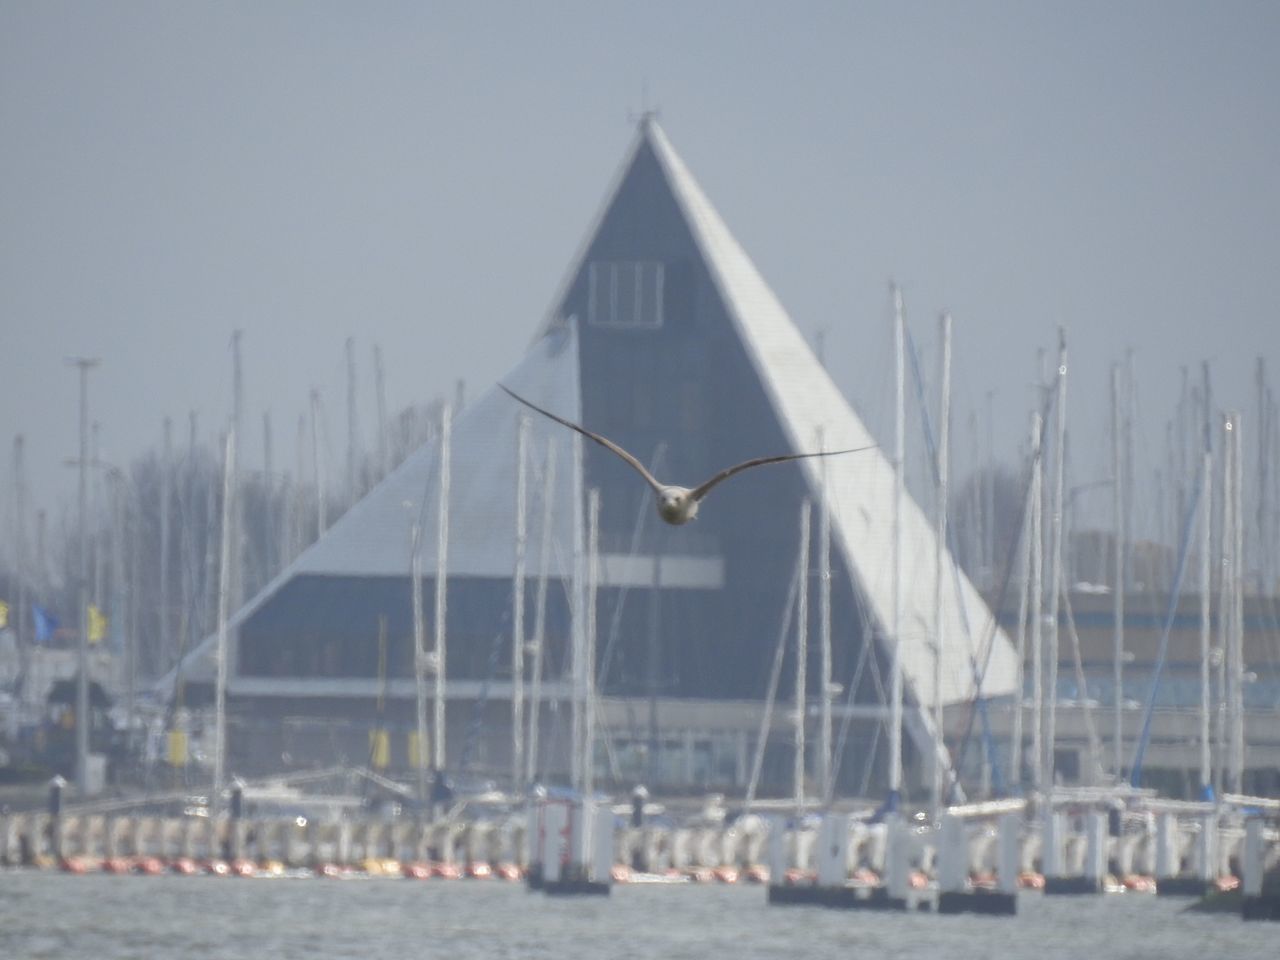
(100,916)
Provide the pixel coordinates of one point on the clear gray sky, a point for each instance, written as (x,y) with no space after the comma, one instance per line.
(419,174)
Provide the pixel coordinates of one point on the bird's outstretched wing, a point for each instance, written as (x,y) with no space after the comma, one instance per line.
(700,491)
(603,441)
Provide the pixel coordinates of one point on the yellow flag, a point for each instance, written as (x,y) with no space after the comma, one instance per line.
(97,624)
(379,749)
(4,614)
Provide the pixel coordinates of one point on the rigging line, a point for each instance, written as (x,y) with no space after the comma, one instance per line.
(978,675)
(1183,549)
(775,675)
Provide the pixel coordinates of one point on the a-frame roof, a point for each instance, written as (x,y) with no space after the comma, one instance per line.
(860,488)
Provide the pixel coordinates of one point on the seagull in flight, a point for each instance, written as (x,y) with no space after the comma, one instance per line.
(676,505)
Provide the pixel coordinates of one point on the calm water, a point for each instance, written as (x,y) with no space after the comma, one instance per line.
(111,918)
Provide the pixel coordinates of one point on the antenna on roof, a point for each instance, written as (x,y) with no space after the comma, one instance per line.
(647,113)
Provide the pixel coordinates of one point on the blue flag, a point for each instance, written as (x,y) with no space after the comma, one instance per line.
(45,623)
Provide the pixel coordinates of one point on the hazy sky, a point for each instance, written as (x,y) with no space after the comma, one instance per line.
(418,175)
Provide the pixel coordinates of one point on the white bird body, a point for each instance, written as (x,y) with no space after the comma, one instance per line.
(676,505)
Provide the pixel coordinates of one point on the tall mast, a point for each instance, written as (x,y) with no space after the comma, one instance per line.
(82,679)
(589,644)
(20,549)
(270,517)
(940,553)
(164,641)
(1037,599)
(1024,590)
(1237,602)
(95,510)
(224,575)
(442,582)
(317,466)
(517,611)
(380,387)
(802,657)
(1117,559)
(824,614)
(420,657)
(236,577)
(899,463)
(1226,608)
(353,432)
(298,508)
(1055,558)
(578,624)
(540,612)
(1206,548)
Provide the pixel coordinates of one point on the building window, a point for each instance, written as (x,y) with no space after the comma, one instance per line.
(624,293)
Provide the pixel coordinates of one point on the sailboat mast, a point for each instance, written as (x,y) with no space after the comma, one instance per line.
(589,645)
(899,463)
(1118,584)
(224,577)
(824,601)
(1237,603)
(1036,547)
(1024,590)
(577,638)
(802,657)
(540,613)
(517,611)
(317,465)
(1206,547)
(442,583)
(1055,558)
(419,650)
(939,562)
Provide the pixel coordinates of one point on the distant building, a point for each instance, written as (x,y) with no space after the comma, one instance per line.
(666,339)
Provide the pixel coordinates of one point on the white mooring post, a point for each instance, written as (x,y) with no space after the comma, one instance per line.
(895,857)
(555,821)
(1166,846)
(1095,856)
(1207,848)
(833,851)
(1007,852)
(952,855)
(1251,865)
(777,851)
(602,844)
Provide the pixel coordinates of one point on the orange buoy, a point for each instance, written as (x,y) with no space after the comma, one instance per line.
(416,871)
(1227,883)
(150,866)
(244,868)
(184,866)
(75,865)
(446,871)
(509,871)
(1030,880)
(757,873)
(217,868)
(726,874)
(479,870)
(866,877)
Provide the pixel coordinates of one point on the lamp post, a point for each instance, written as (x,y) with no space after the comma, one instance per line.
(84,364)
